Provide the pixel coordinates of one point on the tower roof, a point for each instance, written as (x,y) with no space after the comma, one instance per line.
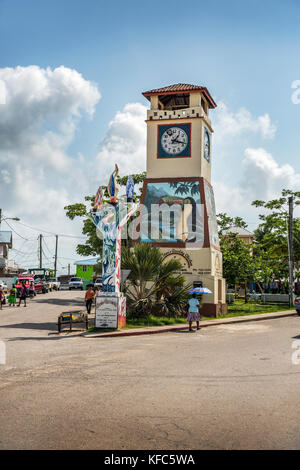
(181,88)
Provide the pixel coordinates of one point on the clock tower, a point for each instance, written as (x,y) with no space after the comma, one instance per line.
(178,208)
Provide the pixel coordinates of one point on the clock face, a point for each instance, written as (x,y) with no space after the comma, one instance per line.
(174,140)
(206,150)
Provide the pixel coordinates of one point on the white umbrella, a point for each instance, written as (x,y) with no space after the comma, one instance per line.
(200,290)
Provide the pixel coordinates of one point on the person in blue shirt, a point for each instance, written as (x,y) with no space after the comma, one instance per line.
(193,312)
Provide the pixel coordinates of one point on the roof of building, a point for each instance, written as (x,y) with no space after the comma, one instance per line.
(87,262)
(6,237)
(181,88)
(242,232)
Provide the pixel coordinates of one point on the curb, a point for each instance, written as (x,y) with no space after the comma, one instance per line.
(167,329)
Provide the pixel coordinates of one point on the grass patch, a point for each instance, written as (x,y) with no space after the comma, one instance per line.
(153,321)
(240,308)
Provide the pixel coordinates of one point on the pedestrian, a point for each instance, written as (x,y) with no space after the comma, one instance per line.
(23,294)
(193,312)
(98,290)
(31,290)
(2,296)
(12,298)
(89,296)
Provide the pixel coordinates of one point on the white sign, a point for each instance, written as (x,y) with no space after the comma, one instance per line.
(106,312)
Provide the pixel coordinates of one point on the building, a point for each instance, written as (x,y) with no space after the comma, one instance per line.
(178,213)
(85,269)
(8,268)
(242,233)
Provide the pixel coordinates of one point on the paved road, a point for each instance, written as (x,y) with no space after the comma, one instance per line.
(224,387)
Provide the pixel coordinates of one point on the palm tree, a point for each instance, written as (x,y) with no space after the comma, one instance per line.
(154,285)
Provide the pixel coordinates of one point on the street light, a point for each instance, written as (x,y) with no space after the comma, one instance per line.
(17,219)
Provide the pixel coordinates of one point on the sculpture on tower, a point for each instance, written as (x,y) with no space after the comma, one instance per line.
(110,218)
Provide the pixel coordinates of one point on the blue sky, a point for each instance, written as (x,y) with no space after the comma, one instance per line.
(246,53)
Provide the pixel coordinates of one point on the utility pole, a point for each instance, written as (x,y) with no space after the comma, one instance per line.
(41,251)
(290,246)
(55,259)
(69,268)
(0,217)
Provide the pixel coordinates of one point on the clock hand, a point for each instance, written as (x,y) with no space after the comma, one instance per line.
(175,139)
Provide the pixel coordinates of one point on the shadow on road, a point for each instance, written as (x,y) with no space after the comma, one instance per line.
(33,326)
(184,331)
(74,302)
(51,337)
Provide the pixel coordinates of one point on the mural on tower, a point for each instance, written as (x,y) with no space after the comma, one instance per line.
(211,212)
(172,212)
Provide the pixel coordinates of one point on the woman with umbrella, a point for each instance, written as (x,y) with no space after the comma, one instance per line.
(194,306)
(193,312)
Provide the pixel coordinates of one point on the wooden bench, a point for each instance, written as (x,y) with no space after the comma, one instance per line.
(69,318)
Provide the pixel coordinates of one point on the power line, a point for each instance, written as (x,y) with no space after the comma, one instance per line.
(52,233)
(27,239)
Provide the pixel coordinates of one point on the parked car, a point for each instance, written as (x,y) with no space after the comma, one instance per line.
(55,284)
(3,286)
(75,283)
(98,282)
(29,282)
(50,284)
(46,286)
(297,305)
(39,285)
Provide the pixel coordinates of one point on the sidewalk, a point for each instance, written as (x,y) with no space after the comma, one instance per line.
(165,329)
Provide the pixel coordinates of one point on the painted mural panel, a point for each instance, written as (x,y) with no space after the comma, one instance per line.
(172,213)
(211,212)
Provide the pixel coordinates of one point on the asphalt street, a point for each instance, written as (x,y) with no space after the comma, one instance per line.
(223,387)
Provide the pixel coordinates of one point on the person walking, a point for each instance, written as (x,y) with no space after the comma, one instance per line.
(31,290)
(2,295)
(98,291)
(89,296)
(23,294)
(12,298)
(193,312)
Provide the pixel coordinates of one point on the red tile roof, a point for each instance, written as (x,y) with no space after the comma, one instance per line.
(181,88)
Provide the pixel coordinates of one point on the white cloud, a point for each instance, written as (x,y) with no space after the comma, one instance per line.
(261,178)
(38,121)
(230,124)
(264,176)
(124,142)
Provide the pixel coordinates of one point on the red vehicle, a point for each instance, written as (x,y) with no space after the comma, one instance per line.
(29,281)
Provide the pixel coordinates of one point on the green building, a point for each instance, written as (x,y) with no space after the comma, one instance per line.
(85,269)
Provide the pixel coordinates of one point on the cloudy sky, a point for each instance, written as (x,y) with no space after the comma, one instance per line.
(71,77)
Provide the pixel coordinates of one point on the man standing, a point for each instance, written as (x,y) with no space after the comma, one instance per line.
(89,296)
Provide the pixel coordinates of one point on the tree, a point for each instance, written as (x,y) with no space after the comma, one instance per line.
(93,244)
(153,285)
(238,265)
(225,222)
(272,232)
